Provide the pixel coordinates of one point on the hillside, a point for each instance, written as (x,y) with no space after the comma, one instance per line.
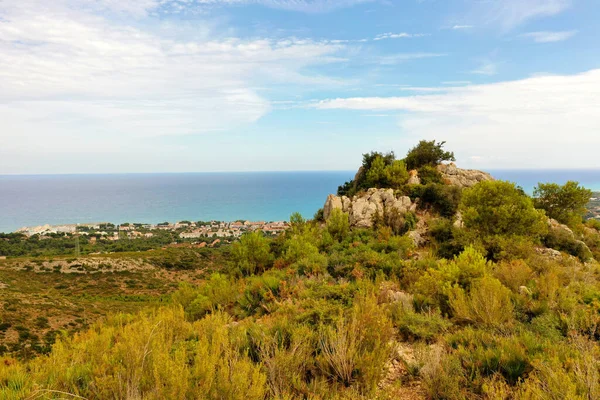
(417,280)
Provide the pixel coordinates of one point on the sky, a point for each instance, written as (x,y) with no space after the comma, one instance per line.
(108,86)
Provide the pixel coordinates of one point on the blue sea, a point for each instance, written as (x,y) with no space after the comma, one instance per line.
(30,200)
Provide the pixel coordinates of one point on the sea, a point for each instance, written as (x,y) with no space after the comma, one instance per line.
(32,200)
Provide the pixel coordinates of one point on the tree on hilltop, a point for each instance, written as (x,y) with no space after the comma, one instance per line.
(427,153)
(566,203)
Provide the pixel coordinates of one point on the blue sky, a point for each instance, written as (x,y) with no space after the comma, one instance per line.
(247,85)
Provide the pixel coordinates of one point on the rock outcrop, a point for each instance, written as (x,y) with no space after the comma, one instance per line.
(566,232)
(413,177)
(363,208)
(452,175)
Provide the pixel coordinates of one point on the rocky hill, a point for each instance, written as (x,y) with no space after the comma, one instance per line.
(453,175)
(364,206)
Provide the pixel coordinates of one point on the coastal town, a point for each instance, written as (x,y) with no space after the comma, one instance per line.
(183,230)
(593,207)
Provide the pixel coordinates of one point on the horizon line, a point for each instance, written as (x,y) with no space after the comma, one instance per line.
(278,171)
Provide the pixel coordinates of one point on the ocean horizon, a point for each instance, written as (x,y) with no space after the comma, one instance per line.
(32,200)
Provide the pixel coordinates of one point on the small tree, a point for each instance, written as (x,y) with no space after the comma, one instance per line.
(396,174)
(338,225)
(252,253)
(427,153)
(500,208)
(565,203)
(376,175)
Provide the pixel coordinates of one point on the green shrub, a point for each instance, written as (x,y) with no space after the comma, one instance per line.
(252,253)
(260,293)
(287,358)
(442,375)
(429,174)
(565,203)
(487,302)
(561,239)
(443,199)
(435,284)
(414,326)
(442,232)
(484,354)
(427,153)
(338,225)
(356,349)
(500,208)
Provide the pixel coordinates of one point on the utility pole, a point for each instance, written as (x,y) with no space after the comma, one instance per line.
(77,244)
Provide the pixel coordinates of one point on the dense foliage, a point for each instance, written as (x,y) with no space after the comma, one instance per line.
(381,170)
(427,153)
(565,203)
(500,208)
(377,171)
(18,245)
(478,309)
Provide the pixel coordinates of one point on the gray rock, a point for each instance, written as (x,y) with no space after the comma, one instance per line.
(463,178)
(547,252)
(362,208)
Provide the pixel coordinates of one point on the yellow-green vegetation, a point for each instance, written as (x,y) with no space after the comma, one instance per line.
(482,311)
(43,298)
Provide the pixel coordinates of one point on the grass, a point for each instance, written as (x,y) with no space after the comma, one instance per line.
(43,301)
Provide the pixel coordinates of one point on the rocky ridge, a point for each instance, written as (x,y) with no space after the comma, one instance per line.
(464,178)
(362,208)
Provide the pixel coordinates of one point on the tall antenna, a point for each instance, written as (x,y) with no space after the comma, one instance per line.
(77,244)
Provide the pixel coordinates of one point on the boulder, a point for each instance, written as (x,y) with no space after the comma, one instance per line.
(463,178)
(362,208)
(557,226)
(547,252)
(413,177)
(458,222)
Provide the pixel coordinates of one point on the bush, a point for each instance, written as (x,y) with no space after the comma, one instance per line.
(563,240)
(427,153)
(252,253)
(217,293)
(287,357)
(154,355)
(434,285)
(338,225)
(443,199)
(378,170)
(507,247)
(488,303)
(443,233)
(355,351)
(176,258)
(566,203)
(412,326)
(484,354)
(513,274)
(442,375)
(429,174)
(499,208)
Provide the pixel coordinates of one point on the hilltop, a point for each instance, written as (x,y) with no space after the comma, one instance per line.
(417,280)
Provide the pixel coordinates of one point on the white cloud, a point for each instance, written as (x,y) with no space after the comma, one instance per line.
(461,27)
(510,13)
(546,122)
(549,37)
(456,83)
(486,67)
(404,57)
(402,35)
(71,81)
(309,6)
